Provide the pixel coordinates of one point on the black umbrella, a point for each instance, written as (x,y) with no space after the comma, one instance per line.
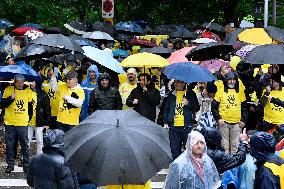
(266,54)
(34,51)
(275,33)
(209,51)
(162,51)
(76,27)
(213,26)
(123,37)
(82,41)
(52,30)
(104,27)
(167,29)
(59,41)
(117,147)
(183,34)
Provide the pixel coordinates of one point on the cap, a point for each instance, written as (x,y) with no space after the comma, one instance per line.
(19,77)
(131,71)
(71,74)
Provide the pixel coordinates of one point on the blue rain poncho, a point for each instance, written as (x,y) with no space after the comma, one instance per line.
(182,174)
(88,86)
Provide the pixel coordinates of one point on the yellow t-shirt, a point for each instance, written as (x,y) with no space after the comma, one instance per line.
(152,72)
(69,116)
(179,117)
(34,103)
(53,97)
(17,113)
(125,90)
(127,186)
(272,113)
(230,105)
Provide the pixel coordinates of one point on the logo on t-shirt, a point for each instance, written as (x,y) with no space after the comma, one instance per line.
(277,108)
(179,109)
(51,94)
(20,106)
(231,99)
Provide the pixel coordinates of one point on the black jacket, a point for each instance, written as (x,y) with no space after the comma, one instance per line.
(147,101)
(104,99)
(47,170)
(188,111)
(222,160)
(264,177)
(43,110)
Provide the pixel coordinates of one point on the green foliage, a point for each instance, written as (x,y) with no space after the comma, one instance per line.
(57,12)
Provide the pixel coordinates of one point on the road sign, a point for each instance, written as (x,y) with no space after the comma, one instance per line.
(107,8)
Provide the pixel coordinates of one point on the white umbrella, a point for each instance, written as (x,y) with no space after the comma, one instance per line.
(203,40)
(98,35)
(103,58)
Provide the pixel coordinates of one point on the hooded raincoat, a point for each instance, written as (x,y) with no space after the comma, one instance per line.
(183,174)
(47,170)
(263,150)
(87,85)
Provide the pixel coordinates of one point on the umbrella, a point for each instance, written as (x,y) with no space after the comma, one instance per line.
(214,65)
(162,51)
(82,41)
(168,29)
(76,27)
(117,147)
(34,51)
(59,41)
(244,51)
(22,31)
(179,56)
(32,25)
(209,51)
(103,58)
(266,54)
(213,26)
(98,35)
(183,35)
(53,30)
(142,42)
(104,27)
(144,60)
(188,72)
(5,24)
(256,36)
(203,40)
(34,34)
(275,33)
(121,53)
(129,27)
(10,71)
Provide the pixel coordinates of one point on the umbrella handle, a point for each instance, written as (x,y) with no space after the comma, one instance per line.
(208,25)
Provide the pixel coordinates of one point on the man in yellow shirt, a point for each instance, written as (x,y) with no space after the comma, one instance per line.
(126,88)
(71,98)
(17,101)
(229,109)
(179,115)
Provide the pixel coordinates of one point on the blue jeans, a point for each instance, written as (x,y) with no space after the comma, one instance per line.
(10,137)
(178,138)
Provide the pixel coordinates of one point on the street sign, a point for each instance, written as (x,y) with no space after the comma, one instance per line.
(107,8)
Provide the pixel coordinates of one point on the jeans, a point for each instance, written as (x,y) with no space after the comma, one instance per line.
(178,138)
(39,137)
(10,136)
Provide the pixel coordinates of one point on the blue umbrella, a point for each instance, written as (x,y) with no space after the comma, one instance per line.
(5,23)
(121,53)
(103,58)
(32,25)
(11,70)
(82,41)
(188,72)
(129,27)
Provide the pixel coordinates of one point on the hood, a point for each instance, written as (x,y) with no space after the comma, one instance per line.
(104,76)
(53,140)
(262,146)
(212,137)
(93,68)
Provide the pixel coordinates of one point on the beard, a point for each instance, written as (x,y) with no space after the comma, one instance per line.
(231,86)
